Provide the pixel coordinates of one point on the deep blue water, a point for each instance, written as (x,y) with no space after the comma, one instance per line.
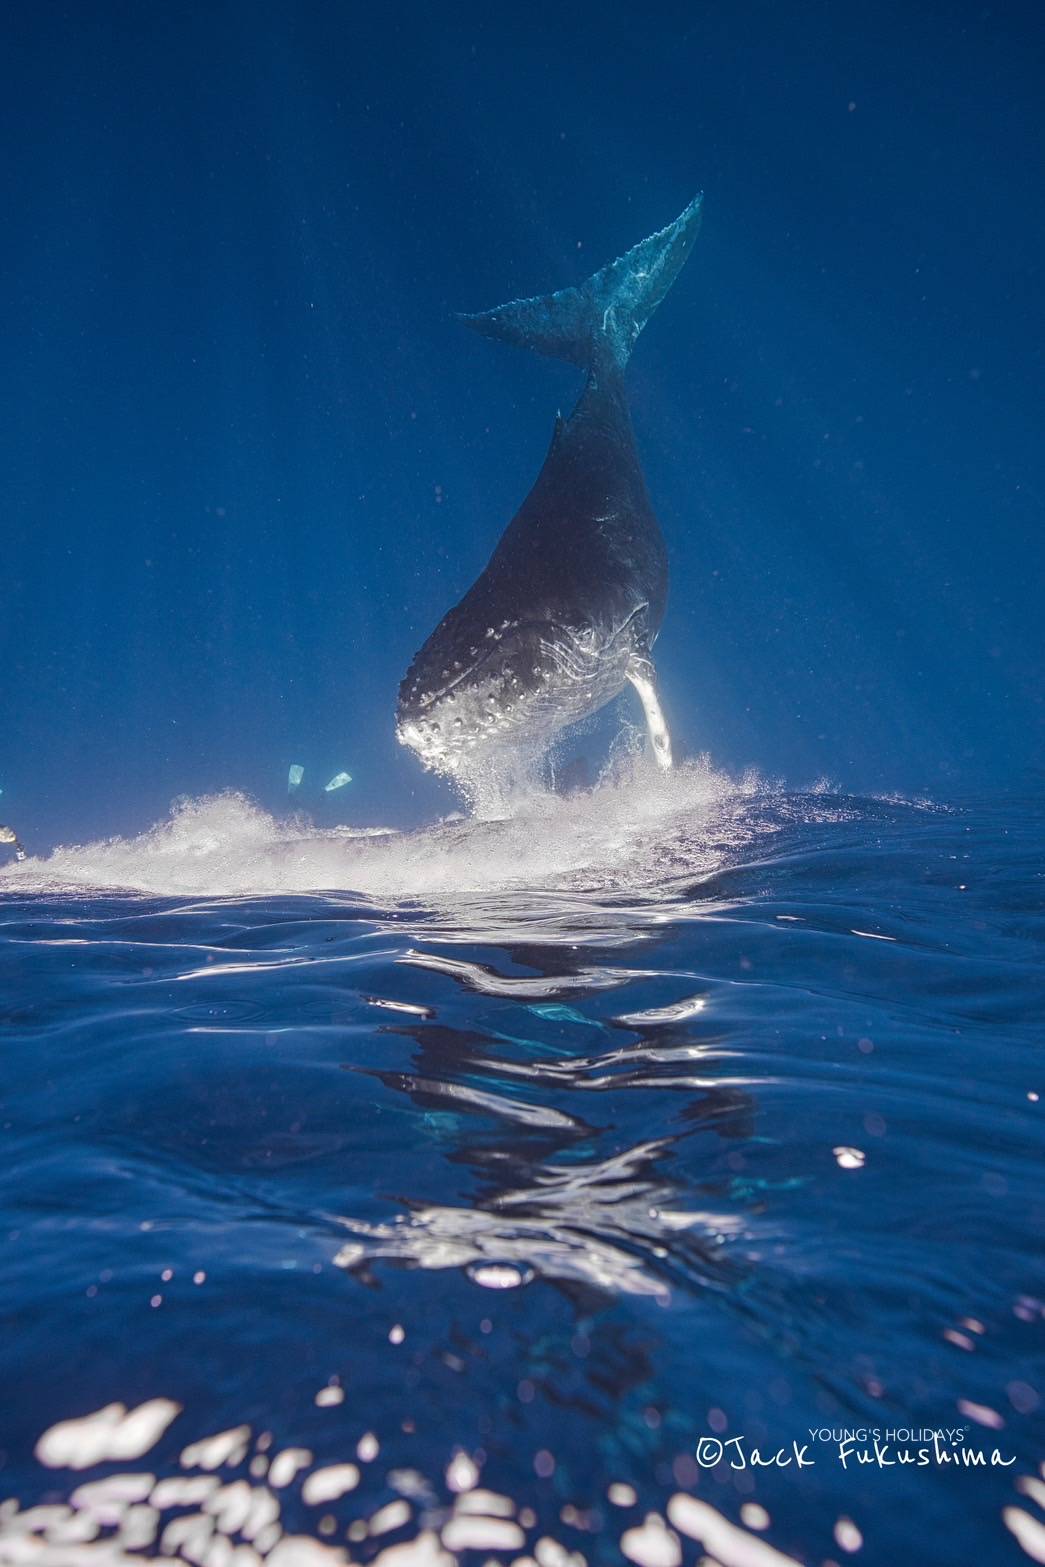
(683,1109)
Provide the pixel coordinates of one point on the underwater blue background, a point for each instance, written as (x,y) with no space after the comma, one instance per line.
(249,458)
(528,1153)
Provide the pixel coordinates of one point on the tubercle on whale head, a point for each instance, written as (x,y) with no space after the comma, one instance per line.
(493,688)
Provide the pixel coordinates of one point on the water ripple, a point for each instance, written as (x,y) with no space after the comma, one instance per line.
(677,1111)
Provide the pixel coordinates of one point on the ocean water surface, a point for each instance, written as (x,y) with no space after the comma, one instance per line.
(492,1191)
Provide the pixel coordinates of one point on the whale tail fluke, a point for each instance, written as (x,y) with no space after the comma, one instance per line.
(600,320)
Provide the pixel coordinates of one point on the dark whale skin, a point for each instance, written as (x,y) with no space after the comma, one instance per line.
(568,608)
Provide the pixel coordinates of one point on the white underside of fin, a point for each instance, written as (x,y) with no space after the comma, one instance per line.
(641,675)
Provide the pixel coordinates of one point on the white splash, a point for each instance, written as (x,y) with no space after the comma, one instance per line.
(636,827)
(652,1543)
(326,1485)
(112,1432)
(728,1544)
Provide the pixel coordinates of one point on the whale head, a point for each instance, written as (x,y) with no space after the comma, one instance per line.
(474,689)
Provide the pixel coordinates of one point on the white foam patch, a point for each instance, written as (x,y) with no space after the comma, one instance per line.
(489,1504)
(210,1452)
(301,1550)
(424,1551)
(728,1544)
(394,1515)
(287,1464)
(116,1492)
(630,830)
(178,1491)
(472,1533)
(1028,1531)
(327,1485)
(112,1432)
(652,1544)
(462,1472)
(238,1525)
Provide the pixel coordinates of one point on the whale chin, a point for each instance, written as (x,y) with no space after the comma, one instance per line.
(469,719)
(517,695)
(471,693)
(455,752)
(433,754)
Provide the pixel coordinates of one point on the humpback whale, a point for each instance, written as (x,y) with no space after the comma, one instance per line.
(567,610)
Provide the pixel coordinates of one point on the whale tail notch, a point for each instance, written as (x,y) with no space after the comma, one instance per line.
(600,320)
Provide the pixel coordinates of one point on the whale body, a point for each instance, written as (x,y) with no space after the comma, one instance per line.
(568,608)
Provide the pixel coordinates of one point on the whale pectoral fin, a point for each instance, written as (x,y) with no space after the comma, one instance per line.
(643,677)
